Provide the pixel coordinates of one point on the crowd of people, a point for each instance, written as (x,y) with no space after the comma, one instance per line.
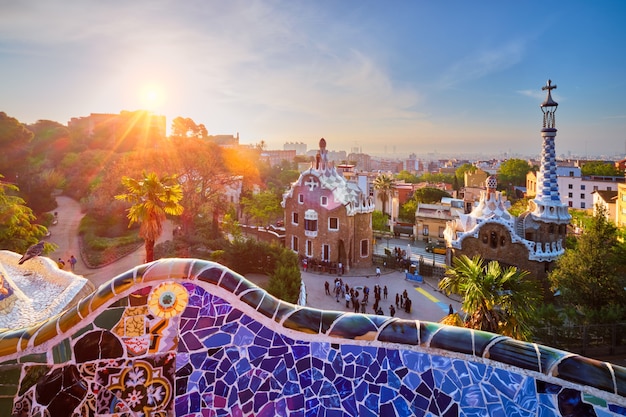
(359,302)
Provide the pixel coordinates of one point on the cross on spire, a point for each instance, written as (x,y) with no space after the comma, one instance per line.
(549,86)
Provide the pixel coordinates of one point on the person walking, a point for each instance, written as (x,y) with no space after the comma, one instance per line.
(392,310)
(397,300)
(72,261)
(385,292)
(377,272)
(347,297)
(327,287)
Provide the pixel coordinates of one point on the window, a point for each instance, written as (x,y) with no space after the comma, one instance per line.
(441,229)
(582,196)
(425,230)
(294,243)
(570,195)
(570,186)
(300,198)
(310,223)
(309,248)
(493,239)
(325,252)
(582,186)
(333,223)
(324,200)
(582,205)
(609,188)
(365,248)
(569,203)
(571,173)
(595,188)
(294,217)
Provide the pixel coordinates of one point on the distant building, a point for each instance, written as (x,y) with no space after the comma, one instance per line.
(327,218)
(299,147)
(576,189)
(122,132)
(431,220)
(475,179)
(620,206)
(606,200)
(361,161)
(227,141)
(274,158)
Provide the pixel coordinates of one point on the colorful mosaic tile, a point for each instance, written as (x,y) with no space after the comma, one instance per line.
(206,342)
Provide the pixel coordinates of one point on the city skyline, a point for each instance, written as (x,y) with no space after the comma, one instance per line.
(388,78)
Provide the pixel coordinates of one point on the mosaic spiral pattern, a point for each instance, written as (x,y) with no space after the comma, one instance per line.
(191,338)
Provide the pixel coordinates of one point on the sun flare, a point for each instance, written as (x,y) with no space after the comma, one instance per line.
(152,96)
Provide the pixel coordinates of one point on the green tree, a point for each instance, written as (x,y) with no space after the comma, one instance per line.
(152,198)
(429,195)
(513,172)
(406,176)
(15,142)
(18,229)
(498,300)
(383,184)
(380,221)
(263,207)
(592,274)
(186,128)
(600,168)
(407,211)
(459,174)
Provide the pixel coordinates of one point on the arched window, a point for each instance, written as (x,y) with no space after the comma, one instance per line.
(493,239)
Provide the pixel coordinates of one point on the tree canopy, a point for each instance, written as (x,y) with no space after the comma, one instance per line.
(18,229)
(513,171)
(600,168)
(593,273)
(184,127)
(496,299)
(383,183)
(151,198)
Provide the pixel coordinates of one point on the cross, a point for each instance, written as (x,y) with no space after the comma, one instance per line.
(548,86)
(311,183)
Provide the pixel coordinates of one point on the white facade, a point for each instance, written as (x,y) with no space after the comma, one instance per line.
(576,190)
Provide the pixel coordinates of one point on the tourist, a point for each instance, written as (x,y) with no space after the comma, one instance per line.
(385,292)
(377,272)
(327,288)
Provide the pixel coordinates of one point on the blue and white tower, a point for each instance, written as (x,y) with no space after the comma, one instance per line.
(547,203)
(544,225)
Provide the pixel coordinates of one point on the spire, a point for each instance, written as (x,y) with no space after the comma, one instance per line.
(548,205)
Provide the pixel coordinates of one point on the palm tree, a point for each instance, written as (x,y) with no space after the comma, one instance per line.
(152,199)
(496,299)
(384,185)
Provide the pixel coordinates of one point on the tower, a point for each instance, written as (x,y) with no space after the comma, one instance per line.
(532,241)
(547,217)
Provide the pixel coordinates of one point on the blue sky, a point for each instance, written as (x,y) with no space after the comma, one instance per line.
(389,77)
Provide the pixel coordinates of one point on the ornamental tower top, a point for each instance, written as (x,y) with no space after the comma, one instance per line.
(547,205)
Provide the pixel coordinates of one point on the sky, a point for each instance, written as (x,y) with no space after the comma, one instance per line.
(388,78)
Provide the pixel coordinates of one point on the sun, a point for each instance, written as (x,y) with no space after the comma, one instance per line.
(152,96)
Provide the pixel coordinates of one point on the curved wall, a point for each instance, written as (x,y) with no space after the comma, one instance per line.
(191,338)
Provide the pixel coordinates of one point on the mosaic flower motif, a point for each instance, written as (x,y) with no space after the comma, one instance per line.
(168,300)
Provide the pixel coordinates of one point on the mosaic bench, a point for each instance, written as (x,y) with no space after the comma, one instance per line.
(188,337)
